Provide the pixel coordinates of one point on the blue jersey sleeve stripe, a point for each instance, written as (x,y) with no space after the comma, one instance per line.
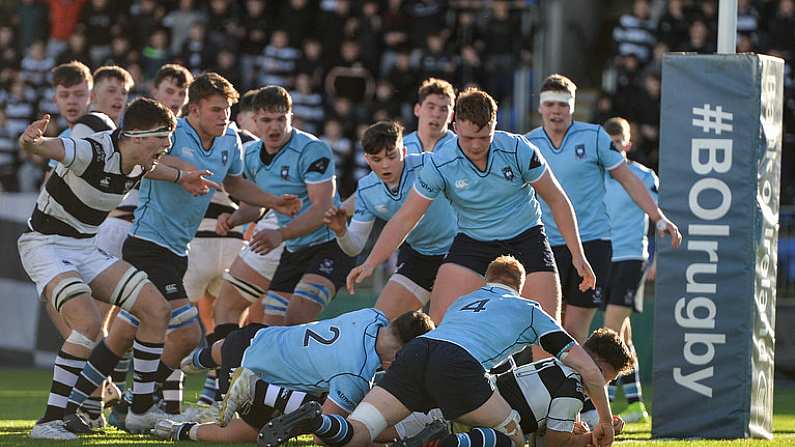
(330,179)
(421,194)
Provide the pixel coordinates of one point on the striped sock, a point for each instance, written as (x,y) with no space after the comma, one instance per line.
(64,376)
(146,358)
(99,365)
(632,388)
(477,437)
(119,374)
(282,399)
(172,392)
(334,430)
(210,389)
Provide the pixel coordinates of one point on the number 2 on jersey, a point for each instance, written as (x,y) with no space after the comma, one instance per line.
(475,306)
(319,338)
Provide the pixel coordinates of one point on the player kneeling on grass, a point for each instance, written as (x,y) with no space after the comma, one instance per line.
(547,394)
(446,368)
(281,368)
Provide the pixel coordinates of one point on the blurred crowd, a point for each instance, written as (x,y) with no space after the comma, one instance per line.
(348,63)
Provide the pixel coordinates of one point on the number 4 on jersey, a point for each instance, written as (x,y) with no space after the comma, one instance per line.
(319,338)
(475,306)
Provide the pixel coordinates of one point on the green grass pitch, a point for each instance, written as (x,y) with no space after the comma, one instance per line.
(23,394)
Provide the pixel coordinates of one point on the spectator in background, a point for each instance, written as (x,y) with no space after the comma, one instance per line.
(425,17)
(385,106)
(307,104)
(9,56)
(98,20)
(278,61)
(180,21)
(155,54)
(781,28)
(146,17)
(433,61)
(76,50)
(330,24)
(311,61)
(226,65)
(122,53)
(298,18)
(672,29)
(470,71)
(342,147)
(699,38)
(223,26)
(747,21)
(36,65)
(9,156)
(19,105)
(465,31)
(395,24)
(195,53)
(257,25)
(403,78)
(369,36)
(502,50)
(64,15)
(634,34)
(30,15)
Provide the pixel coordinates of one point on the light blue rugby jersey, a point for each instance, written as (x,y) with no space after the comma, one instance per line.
(435,231)
(579,165)
(496,204)
(303,160)
(337,356)
(169,216)
(629,225)
(414,145)
(493,323)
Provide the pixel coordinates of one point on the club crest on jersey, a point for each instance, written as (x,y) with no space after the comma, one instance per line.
(326,266)
(224,156)
(579,151)
(285,172)
(104,182)
(507,172)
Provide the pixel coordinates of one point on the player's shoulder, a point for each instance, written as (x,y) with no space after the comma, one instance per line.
(252,147)
(97,121)
(231,137)
(416,161)
(368,182)
(641,169)
(446,155)
(411,138)
(536,134)
(510,142)
(583,129)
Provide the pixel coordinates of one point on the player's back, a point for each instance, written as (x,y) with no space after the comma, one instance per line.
(434,233)
(308,356)
(492,323)
(489,202)
(303,160)
(629,224)
(547,394)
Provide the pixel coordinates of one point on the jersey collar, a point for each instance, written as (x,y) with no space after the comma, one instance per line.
(502,286)
(565,135)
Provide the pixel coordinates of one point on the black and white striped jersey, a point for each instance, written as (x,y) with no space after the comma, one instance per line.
(91,123)
(84,188)
(547,394)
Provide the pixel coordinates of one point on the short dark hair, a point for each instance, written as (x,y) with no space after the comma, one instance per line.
(506,270)
(211,84)
(558,83)
(71,73)
(617,126)
(411,324)
(476,106)
(608,346)
(272,99)
(435,86)
(114,72)
(383,135)
(145,113)
(246,103)
(181,75)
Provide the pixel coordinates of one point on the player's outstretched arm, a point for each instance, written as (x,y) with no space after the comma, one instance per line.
(579,360)
(244,214)
(393,234)
(247,191)
(194,182)
(320,198)
(549,189)
(33,141)
(634,187)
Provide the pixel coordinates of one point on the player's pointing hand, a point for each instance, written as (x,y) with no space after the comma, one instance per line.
(34,132)
(357,275)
